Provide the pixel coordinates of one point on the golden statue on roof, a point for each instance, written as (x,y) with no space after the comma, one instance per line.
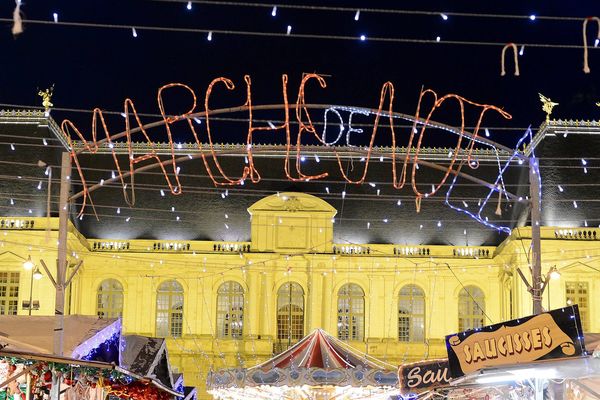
(547,105)
(46,96)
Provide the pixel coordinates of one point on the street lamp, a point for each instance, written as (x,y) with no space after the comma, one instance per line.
(36,274)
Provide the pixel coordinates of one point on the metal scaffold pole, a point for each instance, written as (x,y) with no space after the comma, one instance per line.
(536,253)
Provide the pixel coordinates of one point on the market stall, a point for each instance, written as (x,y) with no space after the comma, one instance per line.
(29,376)
(318,367)
(102,361)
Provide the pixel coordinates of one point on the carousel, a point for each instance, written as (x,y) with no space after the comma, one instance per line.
(318,367)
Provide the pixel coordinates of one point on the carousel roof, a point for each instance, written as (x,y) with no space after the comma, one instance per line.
(321,350)
(318,366)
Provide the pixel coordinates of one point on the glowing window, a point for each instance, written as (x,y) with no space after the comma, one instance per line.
(169,309)
(351,312)
(471,308)
(290,312)
(411,314)
(9,293)
(109,301)
(230,310)
(578,293)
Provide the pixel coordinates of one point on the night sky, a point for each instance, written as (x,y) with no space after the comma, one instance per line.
(98,67)
(95,67)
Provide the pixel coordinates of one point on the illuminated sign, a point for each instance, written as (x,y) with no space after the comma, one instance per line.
(423,376)
(297,127)
(555,334)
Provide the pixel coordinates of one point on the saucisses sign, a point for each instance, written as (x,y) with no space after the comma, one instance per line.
(554,334)
(422,376)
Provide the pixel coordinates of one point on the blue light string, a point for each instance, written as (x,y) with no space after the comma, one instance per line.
(477,217)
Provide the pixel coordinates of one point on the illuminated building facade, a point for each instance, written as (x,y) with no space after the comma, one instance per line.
(284,260)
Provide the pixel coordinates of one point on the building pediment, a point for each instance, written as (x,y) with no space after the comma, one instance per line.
(292,202)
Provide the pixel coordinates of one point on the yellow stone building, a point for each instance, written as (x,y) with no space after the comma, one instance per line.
(229,303)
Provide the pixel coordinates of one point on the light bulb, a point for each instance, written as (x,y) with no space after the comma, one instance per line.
(209,38)
(55,16)
(532,17)
(444,16)
(37,275)
(437,39)
(189,5)
(522,50)
(357,15)
(289,29)
(555,274)
(28,264)
(363,37)
(133,32)
(274,11)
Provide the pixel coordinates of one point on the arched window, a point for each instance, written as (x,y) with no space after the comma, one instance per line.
(290,312)
(230,310)
(109,302)
(471,308)
(411,314)
(351,312)
(169,309)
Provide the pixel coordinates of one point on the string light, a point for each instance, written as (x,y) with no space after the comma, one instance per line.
(274,11)
(344,194)
(39,186)
(439,224)
(574,204)
(127,219)
(487,132)
(12,147)
(399,203)
(133,32)
(522,50)
(437,39)
(45,142)
(162,192)
(55,16)
(289,30)
(444,16)
(560,189)
(209,38)
(532,17)
(363,38)
(189,5)
(119,210)
(317,159)
(357,15)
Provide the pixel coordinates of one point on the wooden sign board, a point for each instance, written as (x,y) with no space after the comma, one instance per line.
(422,376)
(550,335)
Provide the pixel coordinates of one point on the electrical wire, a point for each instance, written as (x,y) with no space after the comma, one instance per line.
(285,35)
(352,10)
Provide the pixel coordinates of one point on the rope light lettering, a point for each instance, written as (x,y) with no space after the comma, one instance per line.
(305,130)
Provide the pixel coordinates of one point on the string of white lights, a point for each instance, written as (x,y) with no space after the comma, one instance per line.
(211,32)
(356,11)
(241,120)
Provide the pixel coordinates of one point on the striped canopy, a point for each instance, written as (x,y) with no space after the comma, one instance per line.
(321,350)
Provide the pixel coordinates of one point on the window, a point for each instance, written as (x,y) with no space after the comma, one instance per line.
(411,314)
(110,299)
(169,309)
(290,312)
(578,293)
(471,308)
(9,293)
(230,310)
(351,312)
